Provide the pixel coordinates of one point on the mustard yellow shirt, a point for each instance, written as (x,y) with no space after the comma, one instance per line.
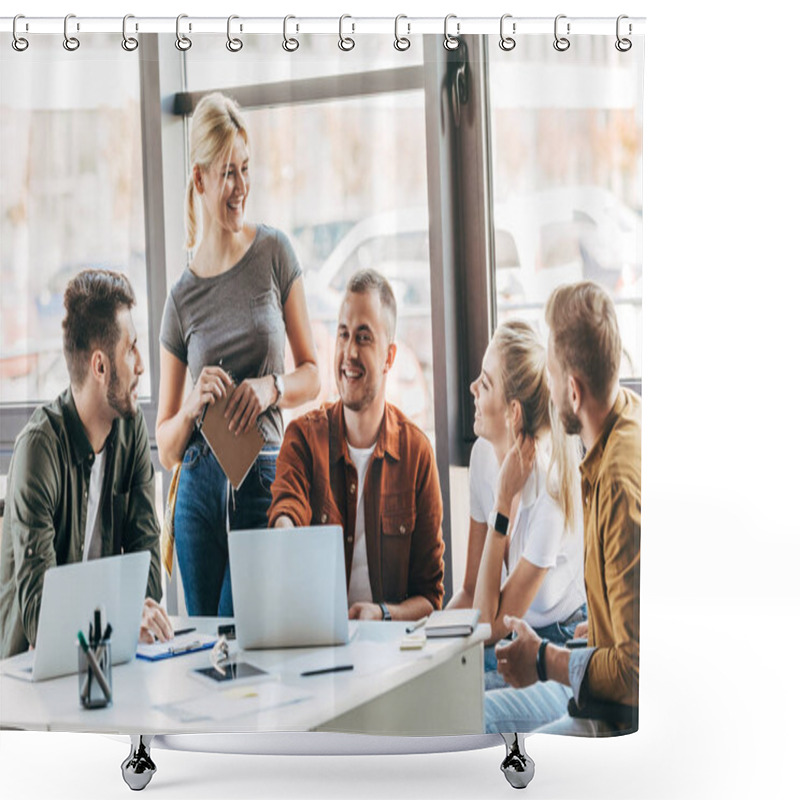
(608,670)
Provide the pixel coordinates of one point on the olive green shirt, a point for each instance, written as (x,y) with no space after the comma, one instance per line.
(611,487)
(46,504)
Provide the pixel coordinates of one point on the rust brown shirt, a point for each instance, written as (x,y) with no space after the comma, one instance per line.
(608,670)
(316,483)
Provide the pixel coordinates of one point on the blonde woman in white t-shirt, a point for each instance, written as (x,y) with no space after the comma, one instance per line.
(525,550)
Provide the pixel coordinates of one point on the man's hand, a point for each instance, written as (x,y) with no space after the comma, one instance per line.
(283,522)
(365,611)
(581,630)
(155,623)
(516,660)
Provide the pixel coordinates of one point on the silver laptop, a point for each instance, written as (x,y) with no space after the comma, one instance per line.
(289,587)
(70,595)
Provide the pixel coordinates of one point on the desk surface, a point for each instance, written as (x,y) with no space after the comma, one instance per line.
(164,698)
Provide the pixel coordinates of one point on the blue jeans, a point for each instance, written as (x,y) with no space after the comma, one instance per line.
(541,707)
(557,633)
(205,501)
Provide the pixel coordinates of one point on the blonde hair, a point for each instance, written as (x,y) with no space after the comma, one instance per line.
(523,377)
(216,123)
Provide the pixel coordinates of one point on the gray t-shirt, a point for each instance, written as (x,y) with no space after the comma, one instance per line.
(236,318)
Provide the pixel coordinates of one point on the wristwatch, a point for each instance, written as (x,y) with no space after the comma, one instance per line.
(279,387)
(499,522)
(387,617)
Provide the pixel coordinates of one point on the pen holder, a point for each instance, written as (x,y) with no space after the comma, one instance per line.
(94,675)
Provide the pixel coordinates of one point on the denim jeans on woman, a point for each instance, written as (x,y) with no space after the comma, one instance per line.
(205,508)
(557,633)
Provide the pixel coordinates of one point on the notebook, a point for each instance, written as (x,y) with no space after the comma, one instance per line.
(452,622)
(235,454)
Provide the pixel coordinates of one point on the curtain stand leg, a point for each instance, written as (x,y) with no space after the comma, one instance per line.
(517,766)
(138,768)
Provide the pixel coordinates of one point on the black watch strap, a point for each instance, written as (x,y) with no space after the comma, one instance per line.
(499,522)
(541,664)
(387,617)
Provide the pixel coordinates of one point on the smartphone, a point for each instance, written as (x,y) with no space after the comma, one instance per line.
(236,671)
(575,644)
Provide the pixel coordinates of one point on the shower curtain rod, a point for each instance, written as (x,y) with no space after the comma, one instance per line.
(456,25)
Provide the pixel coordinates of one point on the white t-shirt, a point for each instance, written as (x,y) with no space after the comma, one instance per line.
(360,589)
(93,537)
(538,535)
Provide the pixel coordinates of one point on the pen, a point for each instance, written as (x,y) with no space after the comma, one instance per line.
(340,668)
(94,666)
(182,631)
(417,625)
(185,649)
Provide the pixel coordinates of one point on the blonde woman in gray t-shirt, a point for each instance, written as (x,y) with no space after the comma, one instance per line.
(227,315)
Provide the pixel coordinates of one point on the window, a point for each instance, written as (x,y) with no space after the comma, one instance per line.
(566,157)
(72,198)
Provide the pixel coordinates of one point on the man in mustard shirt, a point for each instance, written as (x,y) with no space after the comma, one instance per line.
(594,690)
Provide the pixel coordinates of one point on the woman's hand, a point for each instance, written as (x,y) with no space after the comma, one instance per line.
(514,471)
(212,385)
(251,398)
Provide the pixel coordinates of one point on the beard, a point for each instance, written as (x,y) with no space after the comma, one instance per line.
(359,400)
(572,425)
(118,398)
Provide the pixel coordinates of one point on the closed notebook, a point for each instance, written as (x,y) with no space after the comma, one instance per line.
(235,454)
(452,622)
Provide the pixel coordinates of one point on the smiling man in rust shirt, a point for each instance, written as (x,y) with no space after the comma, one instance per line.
(592,691)
(360,463)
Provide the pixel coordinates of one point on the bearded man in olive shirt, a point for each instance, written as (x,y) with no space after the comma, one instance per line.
(81,484)
(590,691)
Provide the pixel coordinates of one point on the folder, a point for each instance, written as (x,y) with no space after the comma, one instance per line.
(235,454)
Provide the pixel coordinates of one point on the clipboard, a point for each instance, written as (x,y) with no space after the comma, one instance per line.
(179,646)
(235,454)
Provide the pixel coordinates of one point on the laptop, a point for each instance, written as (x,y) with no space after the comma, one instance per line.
(70,595)
(289,587)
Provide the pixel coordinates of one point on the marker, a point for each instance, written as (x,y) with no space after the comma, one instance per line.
(417,625)
(341,668)
(94,666)
(182,631)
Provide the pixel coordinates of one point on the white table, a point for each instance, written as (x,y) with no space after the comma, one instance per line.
(437,690)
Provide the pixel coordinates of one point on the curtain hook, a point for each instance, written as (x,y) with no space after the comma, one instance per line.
(623,45)
(129,43)
(345,42)
(19,43)
(451,42)
(401,42)
(233,44)
(507,42)
(183,43)
(290,44)
(561,43)
(71,43)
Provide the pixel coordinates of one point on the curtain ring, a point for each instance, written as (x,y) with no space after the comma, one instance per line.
(290,44)
(19,43)
(183,43)
(129,43)
(233,44)
(401,42)
(507,42)
(71,43)
(451,42)
(623,45)
(345,42)
(561,43)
